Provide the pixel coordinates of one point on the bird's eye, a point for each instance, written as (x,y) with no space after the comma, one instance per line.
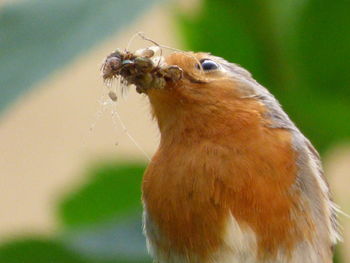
(208,65)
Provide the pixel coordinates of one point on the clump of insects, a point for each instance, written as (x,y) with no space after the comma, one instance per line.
(140,68)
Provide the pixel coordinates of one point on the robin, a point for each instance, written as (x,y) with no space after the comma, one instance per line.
(233,179)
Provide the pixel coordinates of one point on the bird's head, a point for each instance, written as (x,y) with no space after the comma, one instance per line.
(211,95)
(197,93)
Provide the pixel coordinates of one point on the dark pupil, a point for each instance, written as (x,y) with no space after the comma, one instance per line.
(209,65)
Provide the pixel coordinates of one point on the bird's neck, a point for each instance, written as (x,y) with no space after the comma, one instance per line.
(192,122)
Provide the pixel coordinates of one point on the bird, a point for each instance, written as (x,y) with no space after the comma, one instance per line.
(233,179)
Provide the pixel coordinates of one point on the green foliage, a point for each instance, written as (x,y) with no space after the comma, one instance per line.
(112,190)
(297,49)
(37,251)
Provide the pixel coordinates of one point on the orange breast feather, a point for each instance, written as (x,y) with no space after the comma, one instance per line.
(196,179)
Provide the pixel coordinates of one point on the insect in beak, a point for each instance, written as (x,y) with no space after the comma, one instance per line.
(141,69)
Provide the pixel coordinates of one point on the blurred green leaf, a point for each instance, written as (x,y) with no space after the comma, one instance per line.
(37,251)
(37,37)
(111,190)
(40,250)
(322,43)
(219,29)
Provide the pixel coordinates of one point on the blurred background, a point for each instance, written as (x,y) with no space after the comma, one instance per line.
(70,175)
